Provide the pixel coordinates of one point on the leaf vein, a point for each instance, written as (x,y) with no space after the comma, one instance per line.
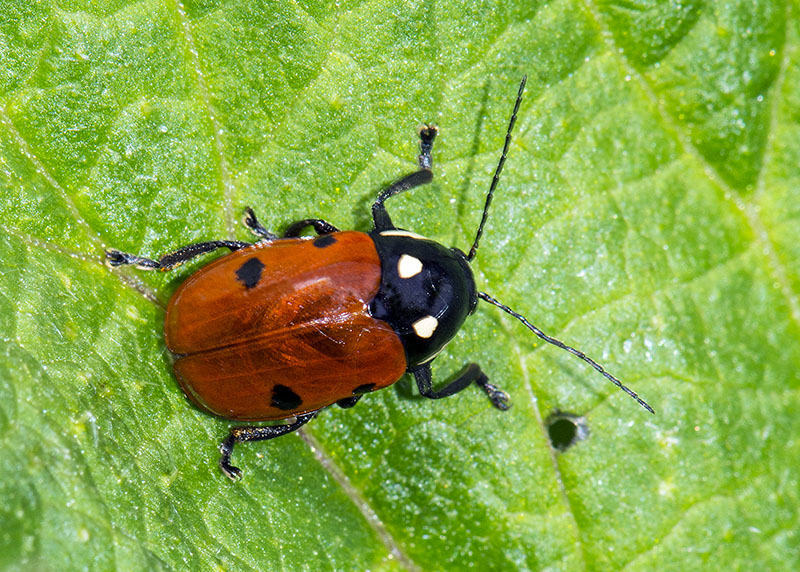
(224,179)
(762,239)
(358,499)
(26,150)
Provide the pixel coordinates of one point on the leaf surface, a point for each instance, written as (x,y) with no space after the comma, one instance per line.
(648,214)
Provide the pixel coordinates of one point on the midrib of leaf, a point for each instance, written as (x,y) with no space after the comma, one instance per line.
(562,488)
(762,239)
(358,500)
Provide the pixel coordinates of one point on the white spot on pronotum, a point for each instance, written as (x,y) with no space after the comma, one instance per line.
(402,233)
(424,327)
(408,266)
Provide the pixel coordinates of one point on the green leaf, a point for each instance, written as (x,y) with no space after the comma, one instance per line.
(649,214)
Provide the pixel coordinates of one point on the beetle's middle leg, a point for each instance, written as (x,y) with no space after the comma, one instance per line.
(292,231)
(251,222)
(320,227)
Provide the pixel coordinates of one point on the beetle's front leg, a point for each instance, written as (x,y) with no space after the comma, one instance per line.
(380,217)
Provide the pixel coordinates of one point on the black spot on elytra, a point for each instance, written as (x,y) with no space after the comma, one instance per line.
(284,398)
(362,389)
(324,240)
(249,273)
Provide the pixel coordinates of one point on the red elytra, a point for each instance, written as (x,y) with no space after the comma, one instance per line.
(282,328)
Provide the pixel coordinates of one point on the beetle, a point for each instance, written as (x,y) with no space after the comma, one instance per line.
(281,328)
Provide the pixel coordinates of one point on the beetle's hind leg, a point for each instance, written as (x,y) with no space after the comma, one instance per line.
(244,434)
(471,374)
(169,261)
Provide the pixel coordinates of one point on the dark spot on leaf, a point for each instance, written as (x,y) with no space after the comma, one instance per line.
(566,429)
(285,399)
(250,272)
(362,389)
(324,240)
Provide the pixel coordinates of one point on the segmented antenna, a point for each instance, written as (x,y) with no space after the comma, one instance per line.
(496,178)
(484,296)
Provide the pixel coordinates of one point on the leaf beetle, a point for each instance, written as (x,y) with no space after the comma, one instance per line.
(281,328)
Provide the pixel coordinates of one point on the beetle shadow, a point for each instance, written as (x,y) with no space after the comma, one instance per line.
(469,171)
(362,209)
(405,388)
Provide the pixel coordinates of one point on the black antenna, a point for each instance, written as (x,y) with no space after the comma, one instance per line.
(563,346)
(496,178)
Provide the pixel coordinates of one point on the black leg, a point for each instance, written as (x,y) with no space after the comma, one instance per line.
(348,402)
(173,259)
(471,373)
(243,434)
(427,133)
(320,227)
(379,215)
(251,222)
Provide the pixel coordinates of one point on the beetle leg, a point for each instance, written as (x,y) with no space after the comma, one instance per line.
(348,402)
(471,373)
(427,134)
(251,222)
(173,259)
(320,226)
(243,434)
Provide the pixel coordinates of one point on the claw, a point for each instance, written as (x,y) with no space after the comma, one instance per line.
(226,448)
(498,397)
(116,258)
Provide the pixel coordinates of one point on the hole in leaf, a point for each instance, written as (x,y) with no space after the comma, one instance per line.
(566,429)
